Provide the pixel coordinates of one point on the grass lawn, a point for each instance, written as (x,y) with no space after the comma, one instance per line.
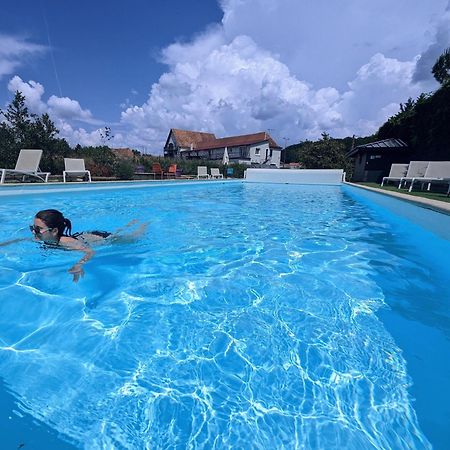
(425,194)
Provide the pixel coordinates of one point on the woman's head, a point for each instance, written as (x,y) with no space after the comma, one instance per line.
(50,225)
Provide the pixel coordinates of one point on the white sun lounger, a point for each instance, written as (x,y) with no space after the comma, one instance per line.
(415,169)
(27,165)
(437,172)
(215,173)
(75,168)
(202,172)
(397,172)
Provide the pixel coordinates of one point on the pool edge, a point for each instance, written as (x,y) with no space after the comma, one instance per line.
(434,205)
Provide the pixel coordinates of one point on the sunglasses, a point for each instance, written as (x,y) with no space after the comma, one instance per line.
(38,230)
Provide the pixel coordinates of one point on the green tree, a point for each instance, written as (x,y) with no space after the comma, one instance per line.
(326,153)
(8,156)
(18,118)
(441,68)
(424,126)
(21,129)
(44,128)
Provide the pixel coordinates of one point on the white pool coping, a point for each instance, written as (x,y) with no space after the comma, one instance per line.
(58,187)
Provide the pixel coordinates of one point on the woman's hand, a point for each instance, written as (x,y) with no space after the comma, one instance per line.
(77,271)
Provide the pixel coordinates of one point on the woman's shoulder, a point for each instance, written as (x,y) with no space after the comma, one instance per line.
(70,242)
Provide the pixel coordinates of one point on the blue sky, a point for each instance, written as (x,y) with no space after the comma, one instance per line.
(101,53)
(294,67)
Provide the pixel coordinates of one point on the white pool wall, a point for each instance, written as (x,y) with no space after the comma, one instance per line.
(295,176)
(438,222)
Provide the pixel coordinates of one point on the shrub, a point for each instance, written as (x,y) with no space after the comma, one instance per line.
(124,170)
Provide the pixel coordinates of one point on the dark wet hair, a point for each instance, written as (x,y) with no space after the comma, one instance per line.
(54,219)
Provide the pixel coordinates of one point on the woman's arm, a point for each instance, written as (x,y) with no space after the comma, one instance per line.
(77,269)
(12,241)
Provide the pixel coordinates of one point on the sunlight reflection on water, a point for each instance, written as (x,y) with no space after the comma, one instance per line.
(223,327)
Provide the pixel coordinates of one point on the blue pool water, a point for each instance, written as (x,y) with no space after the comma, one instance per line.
(249,316)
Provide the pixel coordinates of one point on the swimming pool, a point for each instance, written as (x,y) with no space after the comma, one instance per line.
(250,316)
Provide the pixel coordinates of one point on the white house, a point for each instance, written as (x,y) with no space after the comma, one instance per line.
(258,148)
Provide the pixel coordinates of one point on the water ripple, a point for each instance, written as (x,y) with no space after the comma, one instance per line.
(226,328)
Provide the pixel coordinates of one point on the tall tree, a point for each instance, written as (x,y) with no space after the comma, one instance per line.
(18,118)
(441,68)
(44,130)
(21,129)
(326,153)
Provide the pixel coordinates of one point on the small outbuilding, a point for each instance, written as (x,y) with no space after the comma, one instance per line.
(373,161)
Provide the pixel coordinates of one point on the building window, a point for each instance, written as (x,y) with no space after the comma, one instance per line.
(257,151)
(244,152)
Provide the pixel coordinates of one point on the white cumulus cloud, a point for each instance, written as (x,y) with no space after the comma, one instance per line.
(32,91)
(297,68)
(62,110)
(66,108)
(15,51)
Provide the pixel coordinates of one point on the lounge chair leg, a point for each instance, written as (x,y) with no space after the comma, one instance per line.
(3,176)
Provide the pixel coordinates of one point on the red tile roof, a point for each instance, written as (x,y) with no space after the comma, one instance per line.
(185,138)
(236,141)
(123,152)
(206,141)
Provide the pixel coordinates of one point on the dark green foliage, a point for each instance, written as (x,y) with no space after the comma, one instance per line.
(24,130)
(124,170)
(441,68)
(18,118)
(8,153)
(327,153)
(101,160)
(424,124)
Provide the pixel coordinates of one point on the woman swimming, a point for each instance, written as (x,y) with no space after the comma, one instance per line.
(52,228)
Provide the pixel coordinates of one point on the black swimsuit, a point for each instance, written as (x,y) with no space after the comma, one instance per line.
(102,234)
(78,236)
